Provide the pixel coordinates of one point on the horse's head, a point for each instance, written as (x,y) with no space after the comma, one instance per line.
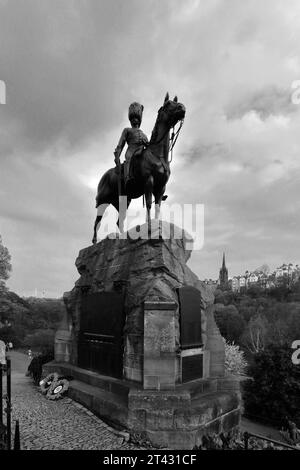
(172,111)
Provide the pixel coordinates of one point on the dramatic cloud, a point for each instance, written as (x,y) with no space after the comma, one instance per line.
(267,102)
(71,69)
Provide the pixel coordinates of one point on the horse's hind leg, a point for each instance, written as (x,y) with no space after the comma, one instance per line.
(100,211)
(122,207)
(97,221)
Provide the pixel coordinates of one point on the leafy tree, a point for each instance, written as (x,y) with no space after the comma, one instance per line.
(20,318)
(225,297)
(47,313)
(296,287)
(5,265)
(274,392)
(42,340)
(219,296)
(247,309)
(230,323)
(255,291)
(263,269)
(280,293)
(13,334)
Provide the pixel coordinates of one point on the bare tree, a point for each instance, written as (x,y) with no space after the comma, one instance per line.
(255,335)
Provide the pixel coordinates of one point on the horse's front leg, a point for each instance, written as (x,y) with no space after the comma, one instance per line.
(148,198)
(158,199)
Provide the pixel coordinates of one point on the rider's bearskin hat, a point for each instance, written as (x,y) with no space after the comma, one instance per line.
(135,111)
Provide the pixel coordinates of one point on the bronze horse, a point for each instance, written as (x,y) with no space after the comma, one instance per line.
(151,169)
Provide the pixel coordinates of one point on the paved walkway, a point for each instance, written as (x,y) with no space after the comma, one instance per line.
(55,425)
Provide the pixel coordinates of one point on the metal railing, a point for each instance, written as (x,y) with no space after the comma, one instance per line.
(5,428)
(248,435)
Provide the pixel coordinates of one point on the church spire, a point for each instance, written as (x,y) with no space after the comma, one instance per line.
(223,264)
(223,277)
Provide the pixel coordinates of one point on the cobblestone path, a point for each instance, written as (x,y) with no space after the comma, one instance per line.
(56,425)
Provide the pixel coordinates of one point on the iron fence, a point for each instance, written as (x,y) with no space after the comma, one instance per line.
(5,409)
(248,435)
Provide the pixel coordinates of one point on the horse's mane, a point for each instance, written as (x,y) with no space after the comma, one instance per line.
(155,128)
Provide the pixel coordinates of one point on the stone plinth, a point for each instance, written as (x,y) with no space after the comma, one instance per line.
(150,397)
(161,363)
(145,270)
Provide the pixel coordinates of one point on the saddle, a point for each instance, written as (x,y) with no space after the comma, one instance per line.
(132,183)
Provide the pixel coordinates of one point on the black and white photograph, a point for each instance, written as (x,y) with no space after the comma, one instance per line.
(149,228)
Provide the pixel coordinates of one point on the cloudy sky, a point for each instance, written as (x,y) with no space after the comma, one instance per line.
(72,67)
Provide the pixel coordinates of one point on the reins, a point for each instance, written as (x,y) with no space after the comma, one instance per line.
(172,141)
(174,138)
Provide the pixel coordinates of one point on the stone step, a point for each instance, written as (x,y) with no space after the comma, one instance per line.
(199,387)
(110,407)
(218,402)
(180,424)
(101,382)
(211,411)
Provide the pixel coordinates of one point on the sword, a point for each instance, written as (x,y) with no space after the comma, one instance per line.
(119,178)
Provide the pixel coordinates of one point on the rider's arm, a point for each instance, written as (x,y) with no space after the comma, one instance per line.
(145,139)
(121,144)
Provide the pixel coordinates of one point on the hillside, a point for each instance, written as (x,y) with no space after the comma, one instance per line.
(29,322)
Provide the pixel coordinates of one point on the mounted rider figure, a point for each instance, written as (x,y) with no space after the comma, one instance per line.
(134,137)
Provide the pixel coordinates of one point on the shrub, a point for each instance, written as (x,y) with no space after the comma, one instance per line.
(235,441)
(274,392)
(235,362)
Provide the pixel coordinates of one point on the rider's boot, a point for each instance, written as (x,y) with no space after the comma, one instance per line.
(128,177)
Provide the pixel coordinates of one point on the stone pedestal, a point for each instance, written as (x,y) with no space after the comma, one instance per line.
(154,395)
(62,346)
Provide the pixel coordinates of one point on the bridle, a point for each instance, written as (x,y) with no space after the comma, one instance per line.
(173,138)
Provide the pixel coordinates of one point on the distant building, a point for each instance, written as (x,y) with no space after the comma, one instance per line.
(223,276)
(242,282)
(285,275)
(253,278)
(210,282)
(235,284)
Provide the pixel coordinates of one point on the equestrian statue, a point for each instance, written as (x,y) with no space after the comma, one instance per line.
(146,169)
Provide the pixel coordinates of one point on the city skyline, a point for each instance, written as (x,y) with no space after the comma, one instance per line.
(43,293)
